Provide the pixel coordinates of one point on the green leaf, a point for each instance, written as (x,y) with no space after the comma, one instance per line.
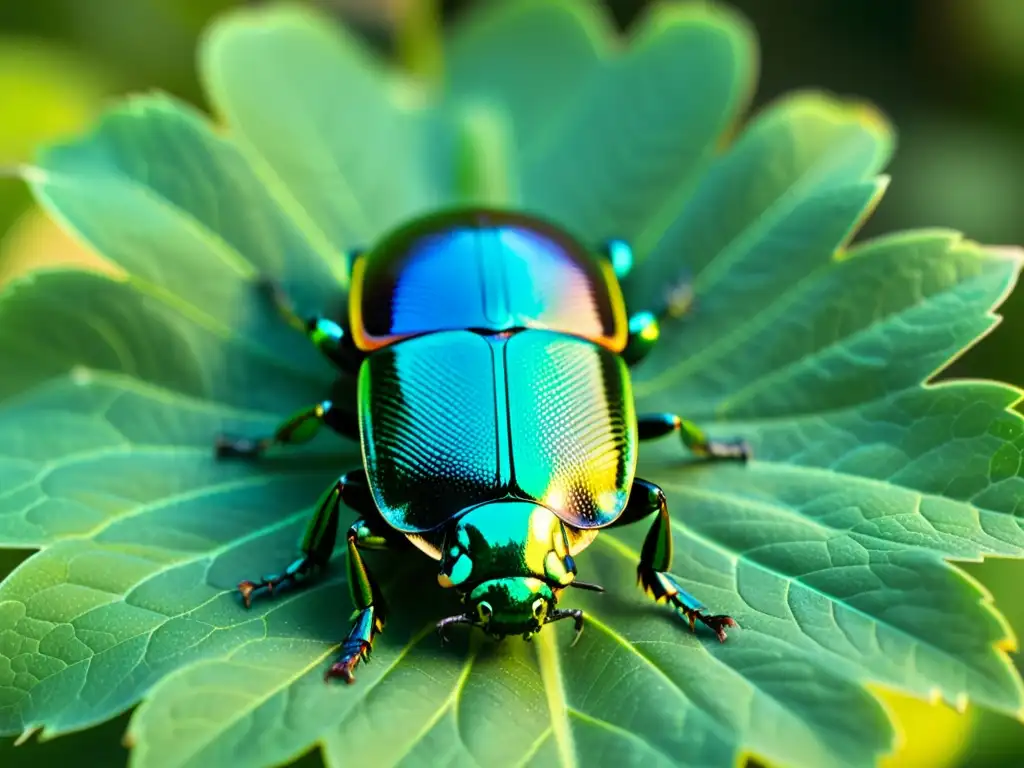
(627,147)
(340,136)
(147,188)
(567,43)
(830,548)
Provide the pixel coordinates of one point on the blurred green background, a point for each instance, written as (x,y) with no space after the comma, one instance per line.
(949,73)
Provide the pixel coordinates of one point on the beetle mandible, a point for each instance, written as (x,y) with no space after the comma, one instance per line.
(496,419)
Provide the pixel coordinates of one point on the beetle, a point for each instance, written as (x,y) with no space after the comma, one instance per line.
(494,408)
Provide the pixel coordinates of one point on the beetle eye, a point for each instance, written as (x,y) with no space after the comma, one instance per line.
(538,608)
(485,611)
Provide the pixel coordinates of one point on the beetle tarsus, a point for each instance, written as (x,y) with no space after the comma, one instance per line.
(279,299)
(240,447)
(328,336)
(299,428)
(294,572)
(358,645)
(651,426)
(664,588)
(725,450)
(246,588)
(344,668)
(716,624)
(678,299)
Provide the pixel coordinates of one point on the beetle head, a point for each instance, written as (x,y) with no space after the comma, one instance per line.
(517,605)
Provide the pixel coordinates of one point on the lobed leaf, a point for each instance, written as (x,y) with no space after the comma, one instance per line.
(829,548)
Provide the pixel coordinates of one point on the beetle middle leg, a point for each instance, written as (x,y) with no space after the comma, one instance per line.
(645,499)
(654,425)
(300,427)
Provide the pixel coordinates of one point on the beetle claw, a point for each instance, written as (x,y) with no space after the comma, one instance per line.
(679,299)
(691,616)
(344,668)
(246,588)
(717,624)
(726,450)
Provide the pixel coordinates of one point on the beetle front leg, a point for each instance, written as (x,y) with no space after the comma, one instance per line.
(300,427)
(655,425)
(645,499)
(370,613)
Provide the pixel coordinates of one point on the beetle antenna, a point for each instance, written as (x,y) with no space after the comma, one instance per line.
(586,585)
(443,624)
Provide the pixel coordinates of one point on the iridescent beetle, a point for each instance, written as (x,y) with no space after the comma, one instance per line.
(496,418)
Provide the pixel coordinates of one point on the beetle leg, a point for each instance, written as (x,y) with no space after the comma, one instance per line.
(645,327)
(370,608)
(654,425)
(352,490)
(300,427)
(317,542)
(620,254)
(370,532)
(645,499)
(327,336)
(677,299)
(644,332)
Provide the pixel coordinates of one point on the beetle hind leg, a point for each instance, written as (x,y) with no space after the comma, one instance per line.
(656,559)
